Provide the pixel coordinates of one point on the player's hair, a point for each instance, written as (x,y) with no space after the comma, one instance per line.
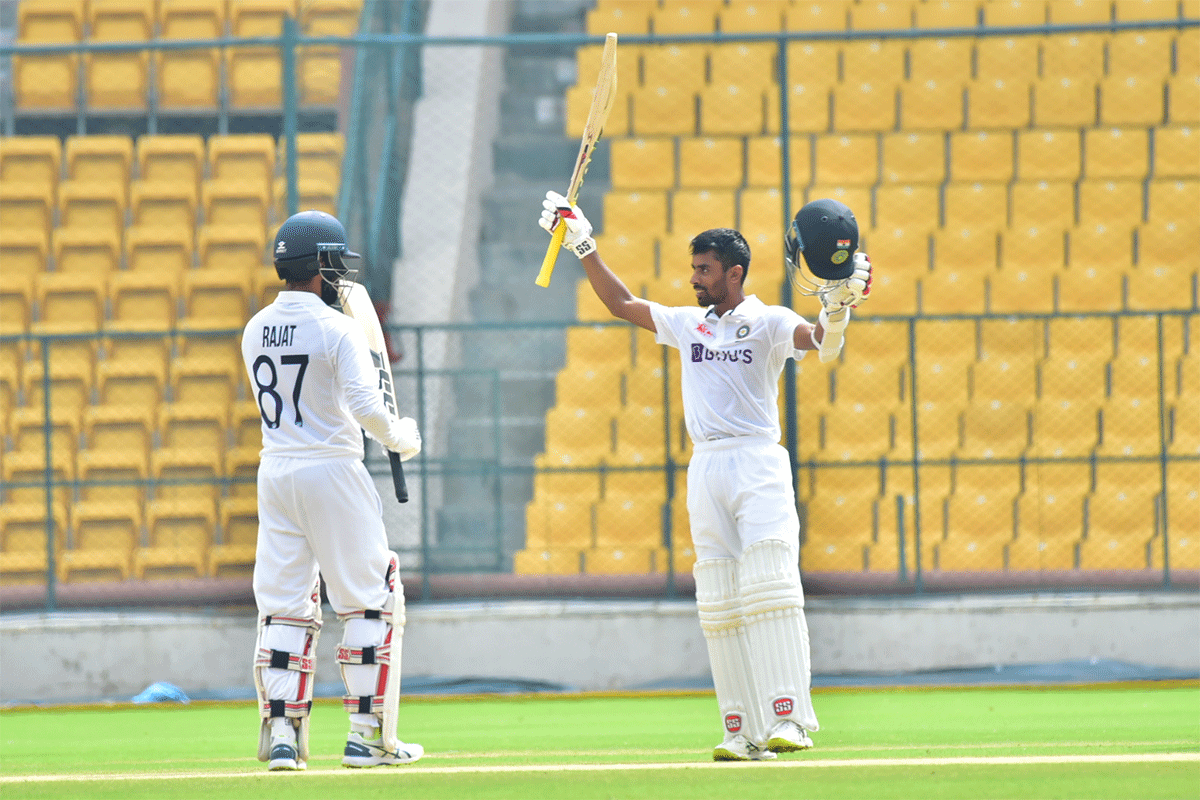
(727,245)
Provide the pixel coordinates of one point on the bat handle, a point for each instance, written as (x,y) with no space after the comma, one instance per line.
(556,240)
(398,482)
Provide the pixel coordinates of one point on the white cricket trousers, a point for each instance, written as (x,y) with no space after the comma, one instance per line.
(739,491)
(318,514)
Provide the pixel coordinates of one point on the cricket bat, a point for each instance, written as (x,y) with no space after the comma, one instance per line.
(603,97)
(356,304)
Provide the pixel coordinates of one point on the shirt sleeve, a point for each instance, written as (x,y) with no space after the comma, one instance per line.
(360,382)
(666,322)
(783,332)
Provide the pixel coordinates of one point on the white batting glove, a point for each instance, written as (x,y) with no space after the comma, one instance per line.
(556,210)
(848,293)
(410,438)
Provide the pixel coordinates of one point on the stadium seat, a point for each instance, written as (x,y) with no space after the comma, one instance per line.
(92,205)
(139,383)
(318,155)
(26,207)
(1134,375)
(70,302)
(643,163)
(685,65)
(50,81)
(733,109)
(622,16)
(31,160)
(1073,377)
(205,379)
(320,68)
(163,205)
(1105,246)
(826,15)
(847,159)
(998,103)
(631,525)
(216,298)
(686,16)
(1162,286)
(171,158)
(234,554)
(1129,426)
(710,162)
(1013,60)
(1013,13)
(641,437)
(579,102)
(1042,204)
(121,432)
(1112,202)
(1008,376)
(1172,201)
(696,210)
(1065,428)
(873,378)
(1088,288)
(745,64)
(980,156)
(249,157)
(1049,155)
(661,109)
(1128,100)
(255,74)
(24,253)
(559,524)
(913,208)
(994,428)
(1018,288)
(119,80)
(311,193)
(576,437)
(230,201)
(873,61)
(859,432)
(764,162)
(948,290)
(155,249)
(906,249)
(1076,55)
(69,382)
(753,16)
(978,530)
(1065,102)
(99,159)
(23,541)
(105,535)
(946,14)
(974,205)
(913,158)
(232,247)
(864,107)
(1183,99)
(184,473)
(931,105)
(1174,152)
(593,386)
(939,59)
(179,534)
(16,308)
(190,78)
(838,530)
(90,251)
(1140,53)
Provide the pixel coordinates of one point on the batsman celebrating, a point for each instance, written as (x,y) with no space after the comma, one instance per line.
(318,508)
(741,504)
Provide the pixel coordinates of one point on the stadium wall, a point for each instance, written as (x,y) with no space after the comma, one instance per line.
(597,645)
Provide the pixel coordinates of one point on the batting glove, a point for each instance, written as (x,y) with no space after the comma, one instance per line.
(848,293)
(410,438)
(557,210)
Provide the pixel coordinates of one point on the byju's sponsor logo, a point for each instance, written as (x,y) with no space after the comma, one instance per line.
(740,356)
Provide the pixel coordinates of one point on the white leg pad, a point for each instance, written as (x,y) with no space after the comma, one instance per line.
(773,605)
(369,657)
(724,630)
(284,665)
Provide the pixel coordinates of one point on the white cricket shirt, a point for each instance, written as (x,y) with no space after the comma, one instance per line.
(730,366)
(312,376)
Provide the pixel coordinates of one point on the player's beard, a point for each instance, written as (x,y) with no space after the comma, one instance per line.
(329,294)
(709,295)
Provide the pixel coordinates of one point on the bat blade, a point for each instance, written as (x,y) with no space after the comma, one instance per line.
(604,95)
(357,305)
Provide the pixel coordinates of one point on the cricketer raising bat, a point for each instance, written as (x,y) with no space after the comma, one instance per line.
(356,304)
(603,97)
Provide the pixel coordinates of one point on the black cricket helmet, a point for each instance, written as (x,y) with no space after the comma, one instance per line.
(826,232)
(312,242)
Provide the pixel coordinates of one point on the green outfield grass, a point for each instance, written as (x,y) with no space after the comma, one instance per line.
(1130,741)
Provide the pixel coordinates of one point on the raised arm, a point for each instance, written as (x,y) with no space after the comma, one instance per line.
(611,290)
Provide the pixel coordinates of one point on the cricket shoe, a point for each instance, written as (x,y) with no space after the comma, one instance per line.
(283,755)
(362,752)
(788,737)
(739,748)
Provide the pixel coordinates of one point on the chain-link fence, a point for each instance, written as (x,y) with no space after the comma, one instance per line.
(1016,404)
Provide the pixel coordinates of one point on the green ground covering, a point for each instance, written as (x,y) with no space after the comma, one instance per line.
(1134,741)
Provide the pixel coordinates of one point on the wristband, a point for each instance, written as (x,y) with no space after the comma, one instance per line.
(583,247)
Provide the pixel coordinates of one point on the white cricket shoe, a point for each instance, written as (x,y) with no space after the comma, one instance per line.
(362,752)
(283,754)
(788,737)
(739,748)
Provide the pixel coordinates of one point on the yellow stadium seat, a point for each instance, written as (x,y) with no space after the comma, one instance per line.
(196,425)
(641,436)
(318,155)
(311,193)
(99,159)
(173,158)
(576,437)
(232,247)
(1112,202)
(163,205)
(906,250)
(882,16)
(598,345)
(320,70)
(753,16)
(249,157)
(978,530)
(1127,100)
(16,309)
(1011,59)
(632,527)
(620,16)
(1162,286)
(950,290)
(909,158)
(165,250)
(1108,248)
(559,523)
(31,159)
(733,109)
(234,554)
(696,210)
(1043,204)
(938,427)
(49,81)
(1145,10)
(137,383)
(579,102)
(946,14)
(1116,153)
(931,105)
(998,103)
(255,74)
(179,534)
(873,61)
(26,207)
(230,201)
(1043,550)
(1129,426)
(24,538)
(119,80)
(864,107)
(847,159)
(216,298)
(70,384)
(838,529)
(1175,152)
(856,197)
(684,65)
(105,535)
(826,15)
(642,212)
(939,59)
(1133,374)
(593,386)
(1013,13)
(1049,155)
(686,16)
(145,298)
(1173,201)
(124,432)
(1009,377)
(24,252)
(1140,53)
(1184,430)
(1065,429)
(1088,288)
(580,488)
(1183,99)
(190,78)
(974,205)
(1072,377)
(746,64)
(184,473)
(548,561)
(855,431)
(914,208)
(1064,102)
(813,63)
(1017,288)
(809,108)
(1166,242)
(664,109)
(70,302)
(982,156)
(643,163)
(1075,56)
(711,162)
(91,205)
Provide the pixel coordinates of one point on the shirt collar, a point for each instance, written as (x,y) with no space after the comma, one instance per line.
(750,306)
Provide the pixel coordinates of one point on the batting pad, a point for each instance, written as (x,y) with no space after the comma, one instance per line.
(725,634)
(773,606)
(285,661)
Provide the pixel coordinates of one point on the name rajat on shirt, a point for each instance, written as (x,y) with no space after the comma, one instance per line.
(278,335)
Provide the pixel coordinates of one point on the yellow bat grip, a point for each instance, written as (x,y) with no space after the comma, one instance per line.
(556,240)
